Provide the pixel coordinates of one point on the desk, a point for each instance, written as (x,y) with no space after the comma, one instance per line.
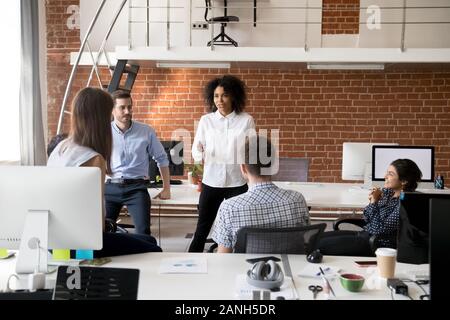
(319,195)
(219,282)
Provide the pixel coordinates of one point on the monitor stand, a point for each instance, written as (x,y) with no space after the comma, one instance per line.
(368,176)
(33,248)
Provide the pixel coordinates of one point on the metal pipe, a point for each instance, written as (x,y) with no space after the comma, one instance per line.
(403,27)
(168,26)
(130,9)
(94,67)
(306,26)
(148,24)
(105,39)
(190,23)
(75,66)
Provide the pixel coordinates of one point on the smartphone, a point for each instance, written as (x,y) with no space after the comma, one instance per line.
(265,259)
(365,264)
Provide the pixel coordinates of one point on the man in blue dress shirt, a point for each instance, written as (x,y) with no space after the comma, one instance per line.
(133,145)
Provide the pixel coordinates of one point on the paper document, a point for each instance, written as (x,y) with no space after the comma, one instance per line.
(244,290)
(183,265)
(313,271)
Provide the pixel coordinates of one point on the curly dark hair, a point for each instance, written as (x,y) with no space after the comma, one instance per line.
(232,85)
(409,172)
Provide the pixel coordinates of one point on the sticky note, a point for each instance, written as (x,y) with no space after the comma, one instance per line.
(85,254)
(61,254)
(3,253)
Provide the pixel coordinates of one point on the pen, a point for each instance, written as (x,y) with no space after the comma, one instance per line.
(326,269)
(326,281)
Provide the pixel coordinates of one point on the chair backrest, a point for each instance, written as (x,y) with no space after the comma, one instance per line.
(292,169)
(295,240)
(208,7)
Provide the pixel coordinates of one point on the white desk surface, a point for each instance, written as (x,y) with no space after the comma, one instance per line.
(317,194)
(219,282)
(327,195)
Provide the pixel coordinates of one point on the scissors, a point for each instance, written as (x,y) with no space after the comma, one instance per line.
(315,290)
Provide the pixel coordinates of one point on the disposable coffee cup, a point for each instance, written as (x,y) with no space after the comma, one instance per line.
(386,262)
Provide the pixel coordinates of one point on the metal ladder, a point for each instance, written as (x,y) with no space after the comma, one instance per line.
(122,67)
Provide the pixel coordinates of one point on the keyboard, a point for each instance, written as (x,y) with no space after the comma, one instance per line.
(415,275)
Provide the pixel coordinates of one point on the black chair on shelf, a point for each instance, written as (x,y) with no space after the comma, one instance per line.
(222,38)
(374,240)
(294,240)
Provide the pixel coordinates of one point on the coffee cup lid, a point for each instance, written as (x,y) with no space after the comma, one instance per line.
(389,252)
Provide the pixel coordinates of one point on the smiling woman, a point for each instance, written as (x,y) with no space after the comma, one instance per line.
(10,82)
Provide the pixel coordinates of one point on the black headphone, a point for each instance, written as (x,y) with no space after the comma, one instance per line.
(267,275)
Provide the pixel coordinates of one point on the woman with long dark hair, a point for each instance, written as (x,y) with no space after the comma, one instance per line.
(89,145)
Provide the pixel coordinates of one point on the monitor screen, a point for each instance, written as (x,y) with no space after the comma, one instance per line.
(383,156)
(356,157)
(174,150)
(72,196)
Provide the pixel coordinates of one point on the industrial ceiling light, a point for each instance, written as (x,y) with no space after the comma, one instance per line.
(218,65)
(345,66)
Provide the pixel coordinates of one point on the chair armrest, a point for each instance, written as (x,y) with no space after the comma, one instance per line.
(110,225)
(360,222)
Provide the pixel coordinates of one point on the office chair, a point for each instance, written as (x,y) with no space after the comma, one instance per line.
(292,169)
(295,240)
(222,38)
(374,240)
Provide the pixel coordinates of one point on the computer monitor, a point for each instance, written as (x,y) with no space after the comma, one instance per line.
(357,159)
(174,150)
(383,156)
(414,225)
(52,208)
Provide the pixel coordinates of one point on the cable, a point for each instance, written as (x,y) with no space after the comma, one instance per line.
(419,283)
(392,294)
(8,288)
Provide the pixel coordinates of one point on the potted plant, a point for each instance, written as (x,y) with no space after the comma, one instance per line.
(196,171)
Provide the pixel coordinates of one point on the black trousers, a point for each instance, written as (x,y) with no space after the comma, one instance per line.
(209,203)
(135,197)
(119,244)
(345,243)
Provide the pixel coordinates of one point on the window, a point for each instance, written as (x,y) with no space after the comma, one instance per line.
(10,81)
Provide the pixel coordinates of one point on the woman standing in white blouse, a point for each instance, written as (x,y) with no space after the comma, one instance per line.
(217,142)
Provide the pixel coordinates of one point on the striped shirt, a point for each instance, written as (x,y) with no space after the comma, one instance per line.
(264,205)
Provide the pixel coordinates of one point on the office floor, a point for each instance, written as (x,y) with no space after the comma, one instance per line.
(174,231)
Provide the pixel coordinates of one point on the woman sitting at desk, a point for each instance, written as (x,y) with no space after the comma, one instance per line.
(381,215)
(89,145)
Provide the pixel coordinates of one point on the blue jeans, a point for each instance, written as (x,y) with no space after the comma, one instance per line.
(135,197)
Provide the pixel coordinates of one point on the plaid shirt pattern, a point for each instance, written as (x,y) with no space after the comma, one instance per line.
(263,205)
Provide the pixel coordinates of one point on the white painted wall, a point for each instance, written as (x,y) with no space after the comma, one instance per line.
(416,35)
(267,35)
(264,35)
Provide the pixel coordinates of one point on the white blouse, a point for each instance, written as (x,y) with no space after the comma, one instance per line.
(219,141)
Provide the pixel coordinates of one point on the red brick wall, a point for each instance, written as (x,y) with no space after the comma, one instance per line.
(315,111)
(340,16)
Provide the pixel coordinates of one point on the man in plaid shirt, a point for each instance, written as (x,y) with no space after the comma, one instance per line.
(264,205)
